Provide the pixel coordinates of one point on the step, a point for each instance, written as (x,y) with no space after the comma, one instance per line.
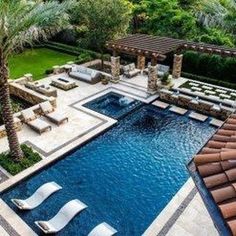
(178,110)
(162,105)
(216,122)
(197,116)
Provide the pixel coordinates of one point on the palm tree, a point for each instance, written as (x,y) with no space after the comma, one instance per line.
(22,22)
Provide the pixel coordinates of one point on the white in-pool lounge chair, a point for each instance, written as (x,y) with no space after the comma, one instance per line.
(54,116)
(62,218)
(36,124)
(40,195)
(103,229)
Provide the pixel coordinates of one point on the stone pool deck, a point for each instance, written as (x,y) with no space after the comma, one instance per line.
(180,217)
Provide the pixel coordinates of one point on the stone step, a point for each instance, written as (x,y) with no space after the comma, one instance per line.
(178,110)
(216,122)
(160,104)
(197,116)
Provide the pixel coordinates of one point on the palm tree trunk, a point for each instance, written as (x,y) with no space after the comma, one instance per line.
(7,113)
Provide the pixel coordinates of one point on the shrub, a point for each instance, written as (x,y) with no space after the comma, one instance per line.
(48,71)
(30,158)
(213,66)
(74,50)
(83,57)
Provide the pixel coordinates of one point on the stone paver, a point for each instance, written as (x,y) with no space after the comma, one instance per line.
(178,110)
(198,116)
(160,104)
(194,221)
(3,232)
(216,122)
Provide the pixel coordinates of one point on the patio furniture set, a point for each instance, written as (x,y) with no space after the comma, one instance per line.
(131,71)
(63,216)
(40,126)
(41,88)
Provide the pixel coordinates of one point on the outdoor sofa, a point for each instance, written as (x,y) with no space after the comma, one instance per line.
(130,70)
(161,70)
(41,88)
(85,74)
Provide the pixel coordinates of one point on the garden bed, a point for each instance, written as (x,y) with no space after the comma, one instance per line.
(30,158)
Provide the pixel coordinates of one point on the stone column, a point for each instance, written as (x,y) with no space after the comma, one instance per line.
(115,69)
(152,78)
(177,66)
(141,62)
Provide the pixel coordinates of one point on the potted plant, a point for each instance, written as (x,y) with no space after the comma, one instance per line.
(105,80)
(165,79)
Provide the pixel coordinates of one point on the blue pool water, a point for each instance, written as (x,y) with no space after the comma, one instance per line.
(113,105)
(126,176)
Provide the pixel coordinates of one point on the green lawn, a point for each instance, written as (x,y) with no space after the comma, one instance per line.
(36,62)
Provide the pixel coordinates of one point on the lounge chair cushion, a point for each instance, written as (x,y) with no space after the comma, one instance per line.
(132,66)
(28,115)
(39,124)
(59,117)
(126,68)
(46,107)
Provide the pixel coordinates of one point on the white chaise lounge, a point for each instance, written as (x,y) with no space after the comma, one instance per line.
(40,195)
(53,115)
(62,218)
(103,229)
(35,123)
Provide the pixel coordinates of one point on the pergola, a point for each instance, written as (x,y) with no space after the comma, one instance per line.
(156,48)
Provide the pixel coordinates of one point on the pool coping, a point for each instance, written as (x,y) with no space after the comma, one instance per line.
(172,211)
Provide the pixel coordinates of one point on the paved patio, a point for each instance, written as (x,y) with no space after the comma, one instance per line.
(177,218)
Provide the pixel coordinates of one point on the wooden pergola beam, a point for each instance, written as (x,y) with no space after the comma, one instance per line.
(158,47)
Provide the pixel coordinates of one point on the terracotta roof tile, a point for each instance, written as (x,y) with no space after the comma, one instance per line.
(216,144)
(206,158)
(231,121)
(210,169)
(207,150)
(226,165)
(216,163)
(215,180)
(232,226)
(231,174)
(229,126)
(230,155)
(224,193)
(228,210)
(223,138)
(226,132)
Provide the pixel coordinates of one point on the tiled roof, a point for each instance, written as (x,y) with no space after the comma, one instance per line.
(216,164)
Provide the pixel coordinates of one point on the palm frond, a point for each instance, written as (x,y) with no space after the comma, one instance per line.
(23,22)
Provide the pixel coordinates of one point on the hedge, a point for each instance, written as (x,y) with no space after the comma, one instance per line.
(209,80)
(74,50)
(212,66)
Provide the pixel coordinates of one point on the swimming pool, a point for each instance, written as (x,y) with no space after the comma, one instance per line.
(126,176)
(114,105)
